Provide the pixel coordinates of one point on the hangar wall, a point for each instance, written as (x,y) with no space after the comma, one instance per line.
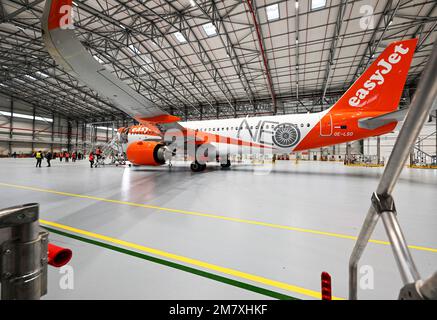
(32,128)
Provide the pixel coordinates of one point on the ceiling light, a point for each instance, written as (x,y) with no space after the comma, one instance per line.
(42,74)
(98,59)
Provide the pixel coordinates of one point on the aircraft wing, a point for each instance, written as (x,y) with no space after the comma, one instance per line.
(66,49)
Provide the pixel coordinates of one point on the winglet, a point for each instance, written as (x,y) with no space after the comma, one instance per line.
(60,14)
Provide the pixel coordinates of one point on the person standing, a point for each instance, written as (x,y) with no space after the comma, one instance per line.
(49,157)
(61,155)
(73,156)
(67,156)
(38,157)
(98,153)
(91,158)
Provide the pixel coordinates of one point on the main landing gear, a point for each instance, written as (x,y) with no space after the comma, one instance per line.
(197,167)
(226,165)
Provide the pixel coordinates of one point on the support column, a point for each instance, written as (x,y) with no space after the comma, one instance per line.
(84,143)
(60,133)
(77,135)
(378,150)
(69,129)
(348,152)
(53,132)
(33,128)
(11,126)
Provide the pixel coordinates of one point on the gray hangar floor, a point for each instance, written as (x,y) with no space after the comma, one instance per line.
(251,232)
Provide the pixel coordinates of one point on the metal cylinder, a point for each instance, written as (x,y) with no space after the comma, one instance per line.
(23,254)
(428,288)
(404,260)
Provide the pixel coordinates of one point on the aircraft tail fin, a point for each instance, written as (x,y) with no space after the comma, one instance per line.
(380,87)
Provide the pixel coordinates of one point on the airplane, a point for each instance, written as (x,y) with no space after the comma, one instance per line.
(367,109)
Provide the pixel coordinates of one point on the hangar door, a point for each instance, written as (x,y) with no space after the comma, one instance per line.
(326,125)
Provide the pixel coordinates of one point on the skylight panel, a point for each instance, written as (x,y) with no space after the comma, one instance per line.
(134,49)
(180,37)
(272,12)
(210,29)
(317,4)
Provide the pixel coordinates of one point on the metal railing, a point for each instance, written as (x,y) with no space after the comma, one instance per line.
(382,202)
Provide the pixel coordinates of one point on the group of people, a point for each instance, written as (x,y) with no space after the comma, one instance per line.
(74,156)
(39,156)
(67,156)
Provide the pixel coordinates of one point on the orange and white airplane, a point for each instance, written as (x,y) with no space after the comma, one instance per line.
(367,109)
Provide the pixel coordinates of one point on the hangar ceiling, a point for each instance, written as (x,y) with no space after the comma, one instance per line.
(204,59)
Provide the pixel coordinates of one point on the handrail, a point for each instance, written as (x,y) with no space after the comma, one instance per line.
(382,202)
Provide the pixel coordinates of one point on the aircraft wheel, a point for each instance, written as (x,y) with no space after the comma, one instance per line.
(197,167)
(226,165)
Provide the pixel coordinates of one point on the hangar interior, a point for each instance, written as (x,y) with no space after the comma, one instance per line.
(259,230)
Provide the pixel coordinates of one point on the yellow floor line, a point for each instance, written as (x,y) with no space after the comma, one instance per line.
(212,216)
(190,261)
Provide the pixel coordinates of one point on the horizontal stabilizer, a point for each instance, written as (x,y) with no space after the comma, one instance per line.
(376,122)
(379,121)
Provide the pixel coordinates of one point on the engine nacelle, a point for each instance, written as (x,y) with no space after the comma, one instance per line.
(146,153)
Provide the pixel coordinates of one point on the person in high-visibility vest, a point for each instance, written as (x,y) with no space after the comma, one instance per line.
(38,157)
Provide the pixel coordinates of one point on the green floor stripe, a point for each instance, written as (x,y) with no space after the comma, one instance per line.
(177,266)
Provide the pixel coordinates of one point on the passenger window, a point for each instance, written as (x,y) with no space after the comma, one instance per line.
(308,125)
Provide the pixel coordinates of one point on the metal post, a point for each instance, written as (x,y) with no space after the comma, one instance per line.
(378,149)
(23,255)
(422,103)
(11,126)
(407,268)
(53,132)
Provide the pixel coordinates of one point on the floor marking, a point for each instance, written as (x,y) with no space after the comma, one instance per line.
(213,216)
(190,261)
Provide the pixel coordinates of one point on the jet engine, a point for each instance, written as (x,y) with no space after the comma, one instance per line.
(147,153)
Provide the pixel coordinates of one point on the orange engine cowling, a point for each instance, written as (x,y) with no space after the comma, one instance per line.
(146,153)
